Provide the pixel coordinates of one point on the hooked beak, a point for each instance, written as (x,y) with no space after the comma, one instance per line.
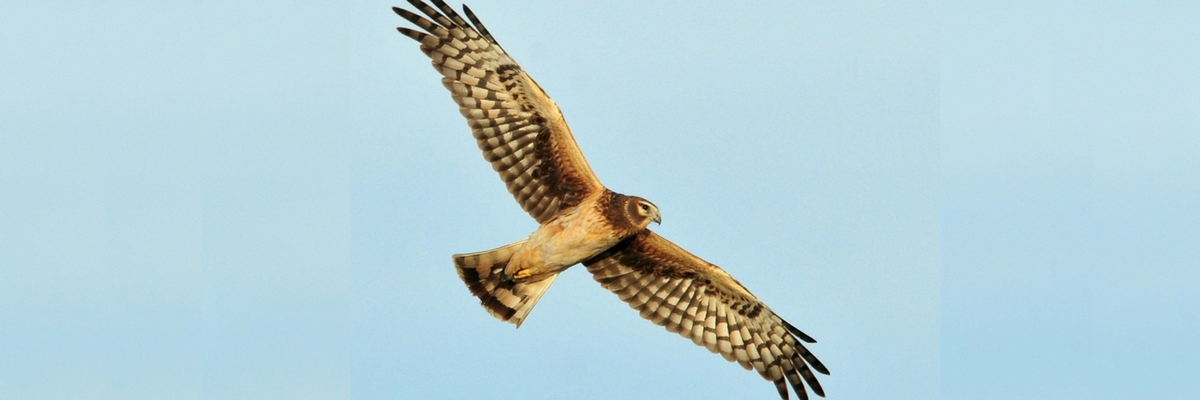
(657,218)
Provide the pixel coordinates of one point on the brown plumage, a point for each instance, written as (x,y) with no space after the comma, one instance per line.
(523,135)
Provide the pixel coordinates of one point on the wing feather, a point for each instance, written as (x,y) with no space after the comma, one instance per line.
(518,127)
(699,301)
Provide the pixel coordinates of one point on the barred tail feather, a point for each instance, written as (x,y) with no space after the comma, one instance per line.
(508,301)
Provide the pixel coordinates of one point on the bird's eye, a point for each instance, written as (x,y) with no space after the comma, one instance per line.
(645,207)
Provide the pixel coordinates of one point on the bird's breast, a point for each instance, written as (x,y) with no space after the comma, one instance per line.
(575,236)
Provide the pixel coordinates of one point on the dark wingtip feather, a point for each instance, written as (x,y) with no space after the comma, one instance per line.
(815,363)
(781,387)
(449,12)
(479,25)
(403,13)
(797,332)
(418,36)
(433,14)
(797,385)
(408,15)
(812,384)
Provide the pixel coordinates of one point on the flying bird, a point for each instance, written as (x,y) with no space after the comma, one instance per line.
(523,135)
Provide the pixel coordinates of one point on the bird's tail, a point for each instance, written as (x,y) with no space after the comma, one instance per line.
(506,300)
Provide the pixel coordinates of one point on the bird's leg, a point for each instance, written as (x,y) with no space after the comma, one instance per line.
(526,267)
(520,274)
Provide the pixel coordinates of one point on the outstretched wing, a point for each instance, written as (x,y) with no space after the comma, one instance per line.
(518,127)
(699,301)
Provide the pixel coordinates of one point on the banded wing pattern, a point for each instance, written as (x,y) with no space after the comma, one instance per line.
(522,133)
(701,302)
(518,127)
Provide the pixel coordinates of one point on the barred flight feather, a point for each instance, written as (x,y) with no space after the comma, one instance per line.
(493,91)
(522,134)
(688,296)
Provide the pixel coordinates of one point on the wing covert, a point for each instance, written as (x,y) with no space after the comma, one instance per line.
(701,302)
(518,127)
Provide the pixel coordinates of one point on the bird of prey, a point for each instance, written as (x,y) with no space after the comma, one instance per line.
(523,135)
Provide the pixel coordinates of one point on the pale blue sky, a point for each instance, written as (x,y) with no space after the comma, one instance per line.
(229,200)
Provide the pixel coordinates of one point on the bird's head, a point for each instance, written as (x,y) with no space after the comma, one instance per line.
(642,212)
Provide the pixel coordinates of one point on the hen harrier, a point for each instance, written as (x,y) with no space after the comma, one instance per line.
(523,135)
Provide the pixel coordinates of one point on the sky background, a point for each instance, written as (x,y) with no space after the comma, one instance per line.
(260,200)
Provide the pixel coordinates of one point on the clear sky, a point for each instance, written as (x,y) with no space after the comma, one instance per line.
(259,200)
